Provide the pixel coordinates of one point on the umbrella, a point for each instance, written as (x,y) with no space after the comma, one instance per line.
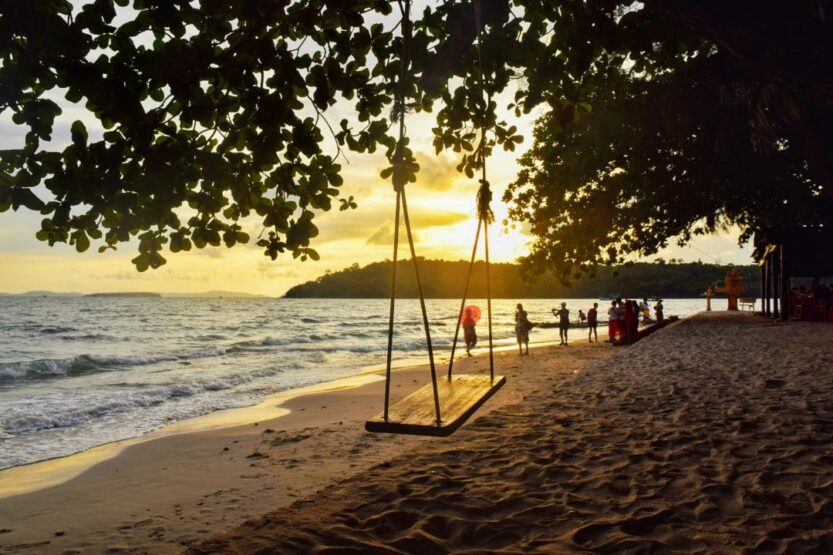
(473,312)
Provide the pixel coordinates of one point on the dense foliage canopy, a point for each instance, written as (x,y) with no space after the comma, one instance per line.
(700,115)
(658,118)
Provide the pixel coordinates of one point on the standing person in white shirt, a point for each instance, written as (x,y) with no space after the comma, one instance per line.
(645,311)
(612,323)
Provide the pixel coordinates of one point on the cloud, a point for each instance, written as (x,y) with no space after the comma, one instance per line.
(212,252)
(370,219)
(439,219)
(436,172)
(123,275)
(165,274)
(271,270)
(382,236)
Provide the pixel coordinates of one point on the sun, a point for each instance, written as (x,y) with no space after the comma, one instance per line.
(453,242)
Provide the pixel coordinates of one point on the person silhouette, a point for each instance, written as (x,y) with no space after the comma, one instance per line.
(469,333)
(563,322)
(522,327)
(593,323)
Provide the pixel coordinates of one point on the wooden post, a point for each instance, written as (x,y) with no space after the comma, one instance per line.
(785,287)
(774,285)
(765,293)
(763,287)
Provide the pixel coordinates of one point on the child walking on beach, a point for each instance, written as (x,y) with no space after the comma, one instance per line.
(469,333)
(522,327)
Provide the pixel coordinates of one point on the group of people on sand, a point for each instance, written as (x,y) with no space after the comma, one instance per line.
(623,318)
(623,322)
(523,325)
(812,303)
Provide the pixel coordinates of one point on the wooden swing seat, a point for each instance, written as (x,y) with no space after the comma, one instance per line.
(460,397)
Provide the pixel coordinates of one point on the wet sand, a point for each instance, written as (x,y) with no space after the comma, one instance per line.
(162,495)
(711,436)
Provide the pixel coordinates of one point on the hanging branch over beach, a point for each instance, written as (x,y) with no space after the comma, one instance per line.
(216,109)
(658,119)
(691,117)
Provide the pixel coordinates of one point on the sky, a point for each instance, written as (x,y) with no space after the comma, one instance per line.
(442,212)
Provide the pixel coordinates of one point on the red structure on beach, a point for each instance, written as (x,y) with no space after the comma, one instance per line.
(796,272)
(732,287)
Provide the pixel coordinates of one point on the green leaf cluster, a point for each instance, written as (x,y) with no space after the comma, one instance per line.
(657,126)
(220,116)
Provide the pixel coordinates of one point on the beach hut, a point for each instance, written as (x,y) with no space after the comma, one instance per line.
(788,256)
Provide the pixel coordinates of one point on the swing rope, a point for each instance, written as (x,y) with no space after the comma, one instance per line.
(401,201)
(485,216)
(463,300)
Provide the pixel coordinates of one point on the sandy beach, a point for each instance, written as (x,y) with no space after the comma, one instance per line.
(223,225)
(711,436)
(162,495)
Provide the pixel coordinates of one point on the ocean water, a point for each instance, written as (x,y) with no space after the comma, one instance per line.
(77,372)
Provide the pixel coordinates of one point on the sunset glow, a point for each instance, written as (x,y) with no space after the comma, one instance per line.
(442,212)
(441,206)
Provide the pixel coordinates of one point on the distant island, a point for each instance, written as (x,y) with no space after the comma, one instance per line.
(42,294)
(215,294)
(445,279)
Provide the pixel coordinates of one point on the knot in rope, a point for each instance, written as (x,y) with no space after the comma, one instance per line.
(484,202)
(400,175)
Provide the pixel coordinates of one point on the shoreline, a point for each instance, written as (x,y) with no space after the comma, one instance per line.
(34,476)
(57,470)
(164,493)
(97,444)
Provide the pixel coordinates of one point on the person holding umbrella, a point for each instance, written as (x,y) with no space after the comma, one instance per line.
(471,314)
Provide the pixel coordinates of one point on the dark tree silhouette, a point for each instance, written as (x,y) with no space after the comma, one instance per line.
(683,280)
(699,115)
(663,117)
